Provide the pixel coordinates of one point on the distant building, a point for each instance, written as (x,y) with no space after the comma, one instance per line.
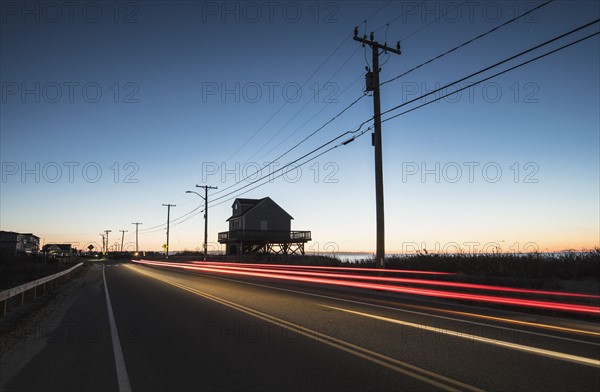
(59,250)
(262,226)
(13,242)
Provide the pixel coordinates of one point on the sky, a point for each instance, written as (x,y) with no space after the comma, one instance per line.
(111,109)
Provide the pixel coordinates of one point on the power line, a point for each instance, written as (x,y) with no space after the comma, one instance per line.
(454,92)
(433,21)
(305,105)
(495,75)
(286,102)
(313,117)
(379,10)
(399,16)
(493,66)
(161,226)
(346,142)
(437,90)
(466,43)
(357,133)
(346,37)
(299,143)
(294,161)
(387,25)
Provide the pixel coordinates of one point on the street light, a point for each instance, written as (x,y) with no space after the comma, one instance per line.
(205,224)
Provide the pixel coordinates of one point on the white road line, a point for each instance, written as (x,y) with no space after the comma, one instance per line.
(533,350)
(122,377)
(408,311)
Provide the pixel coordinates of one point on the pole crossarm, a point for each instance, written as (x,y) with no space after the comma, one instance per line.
(374,44)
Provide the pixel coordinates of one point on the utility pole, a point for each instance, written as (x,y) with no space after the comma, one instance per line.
(205,197)
(122,238)
(106,232)
(168,217)
(137,250)
(103,243)
(372,84)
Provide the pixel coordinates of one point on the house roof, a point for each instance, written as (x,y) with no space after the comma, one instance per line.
(248,201)
(64,247)
(254,203)
(15,233)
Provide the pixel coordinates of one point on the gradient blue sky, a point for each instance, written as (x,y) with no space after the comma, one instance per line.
(185,84)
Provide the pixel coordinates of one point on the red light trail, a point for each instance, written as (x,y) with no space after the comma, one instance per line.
(334,279)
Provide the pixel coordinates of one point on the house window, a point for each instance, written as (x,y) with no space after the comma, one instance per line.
(264,225)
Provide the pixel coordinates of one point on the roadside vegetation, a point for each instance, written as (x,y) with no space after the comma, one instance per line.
(17,269)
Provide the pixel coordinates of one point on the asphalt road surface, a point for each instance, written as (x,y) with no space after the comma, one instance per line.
(141,328)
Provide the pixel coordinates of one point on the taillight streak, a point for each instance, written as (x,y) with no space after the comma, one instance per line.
(383,287)
(321,267)
(409,280)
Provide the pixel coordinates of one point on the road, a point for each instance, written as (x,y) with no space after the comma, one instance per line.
(176,330)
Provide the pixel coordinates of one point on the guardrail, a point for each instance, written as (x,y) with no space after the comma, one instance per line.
(32,286)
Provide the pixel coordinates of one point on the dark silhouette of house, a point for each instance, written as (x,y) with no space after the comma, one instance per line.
(61,250)
(12,242)
(262,226)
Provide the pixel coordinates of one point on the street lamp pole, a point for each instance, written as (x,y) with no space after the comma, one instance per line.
(205,198)
(196,193)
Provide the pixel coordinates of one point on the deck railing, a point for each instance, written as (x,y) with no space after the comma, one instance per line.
(264,235)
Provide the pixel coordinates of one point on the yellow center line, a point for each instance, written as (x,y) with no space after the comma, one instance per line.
(511,321)
(407,369)
(514,346)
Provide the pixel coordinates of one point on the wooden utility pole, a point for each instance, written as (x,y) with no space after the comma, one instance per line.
(122,238)
(168,218)
(372,84)
(205,197)
(137,250)
(106,232)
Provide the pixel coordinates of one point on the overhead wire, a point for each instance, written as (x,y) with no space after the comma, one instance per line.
(286,101)
(194,212)
(494,75)
(494,65)
(295,146)
(314,116)
(466,43)
(450,84)
(305,105)
(303,84)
